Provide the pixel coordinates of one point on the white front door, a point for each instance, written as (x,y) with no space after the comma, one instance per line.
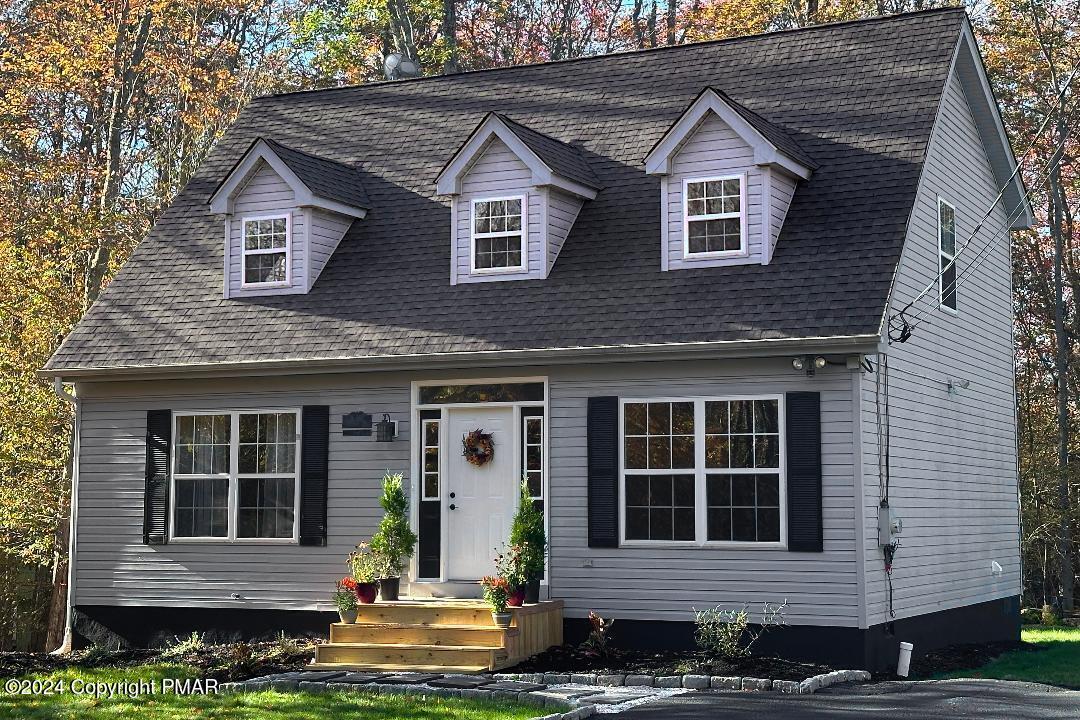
(480,501)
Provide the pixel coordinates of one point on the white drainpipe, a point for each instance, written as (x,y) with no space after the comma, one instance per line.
(66,645)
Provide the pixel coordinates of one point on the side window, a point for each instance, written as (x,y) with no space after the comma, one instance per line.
(715,213)
(947,254)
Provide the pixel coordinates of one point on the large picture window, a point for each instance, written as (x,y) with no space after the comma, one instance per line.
(498,235)
(235,476)
(703,471)
(715,213)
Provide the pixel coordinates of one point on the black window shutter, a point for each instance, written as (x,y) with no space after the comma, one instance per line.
(314,461)
(603,465)
(156,498)
(804,471)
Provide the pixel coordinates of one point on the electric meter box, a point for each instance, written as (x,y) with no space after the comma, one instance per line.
(889,526)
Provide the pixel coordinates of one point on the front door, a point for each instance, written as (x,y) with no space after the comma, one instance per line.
(480,501)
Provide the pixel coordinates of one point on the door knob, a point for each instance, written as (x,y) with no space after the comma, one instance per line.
(453,506)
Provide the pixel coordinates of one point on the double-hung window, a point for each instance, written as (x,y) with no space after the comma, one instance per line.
(703,470)
(266,250)
(715,217)
(947,254)
(498,235)
(235,476)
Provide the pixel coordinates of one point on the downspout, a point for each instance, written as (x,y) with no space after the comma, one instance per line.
(63,394)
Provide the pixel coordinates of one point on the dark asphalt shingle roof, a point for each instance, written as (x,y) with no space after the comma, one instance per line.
(562,158)
(325,178)
(859,98)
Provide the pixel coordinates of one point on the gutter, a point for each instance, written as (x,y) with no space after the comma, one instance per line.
(63,394)
(840,345)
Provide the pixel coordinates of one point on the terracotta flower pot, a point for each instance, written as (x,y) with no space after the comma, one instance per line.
(516,598)
(365,592)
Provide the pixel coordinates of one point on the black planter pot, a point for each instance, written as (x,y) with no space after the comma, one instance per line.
(532,591)
(388,588)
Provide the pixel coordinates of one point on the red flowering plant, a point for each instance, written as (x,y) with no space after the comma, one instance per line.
(512,565)
(496,592)
(345,594)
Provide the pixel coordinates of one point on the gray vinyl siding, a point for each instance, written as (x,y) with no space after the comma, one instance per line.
(498,173)
(713,149)
(266,193)
(783,190)
(953,456)
(114,568)
(562,211)
(327,230)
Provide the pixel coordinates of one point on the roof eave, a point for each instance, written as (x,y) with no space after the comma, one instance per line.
(726,349)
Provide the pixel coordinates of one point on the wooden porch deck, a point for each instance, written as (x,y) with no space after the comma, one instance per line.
(437,635)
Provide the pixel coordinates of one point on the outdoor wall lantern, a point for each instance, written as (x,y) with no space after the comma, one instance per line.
(385,429)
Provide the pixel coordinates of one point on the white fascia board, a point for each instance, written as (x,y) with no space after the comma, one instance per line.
(658,161)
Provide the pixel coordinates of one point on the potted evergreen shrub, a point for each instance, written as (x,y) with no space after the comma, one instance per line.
(345,600)
(394,540)
(527,534)
(496,592)
(364,565)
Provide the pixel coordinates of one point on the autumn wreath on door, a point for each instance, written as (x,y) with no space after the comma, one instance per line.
(478,447)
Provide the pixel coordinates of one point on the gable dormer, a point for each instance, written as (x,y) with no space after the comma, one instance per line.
(285,211)
(727,178)
(514,196)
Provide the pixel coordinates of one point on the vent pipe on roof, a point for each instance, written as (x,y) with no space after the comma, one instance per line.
(398,67)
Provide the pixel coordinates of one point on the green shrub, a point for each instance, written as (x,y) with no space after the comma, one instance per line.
(193,643)
(1048,616)
(394,540)
(527,532)
(728,633)
(1030,616)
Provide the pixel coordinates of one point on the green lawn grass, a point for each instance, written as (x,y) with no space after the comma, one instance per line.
(1056,661)
(266,705)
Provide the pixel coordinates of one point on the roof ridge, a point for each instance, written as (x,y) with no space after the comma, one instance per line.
(637,51)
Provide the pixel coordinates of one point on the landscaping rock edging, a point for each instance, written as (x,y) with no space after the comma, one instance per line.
(694,682)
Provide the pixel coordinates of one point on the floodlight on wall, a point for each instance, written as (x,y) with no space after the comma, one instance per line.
(809,363)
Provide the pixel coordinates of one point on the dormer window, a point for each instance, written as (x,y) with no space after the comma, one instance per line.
(498,236)
(715,212)
(266,251)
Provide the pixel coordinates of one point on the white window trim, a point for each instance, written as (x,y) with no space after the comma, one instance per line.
(244,251)
(952,258)
(234,476)
(473,236)
(744,249)
(701,509)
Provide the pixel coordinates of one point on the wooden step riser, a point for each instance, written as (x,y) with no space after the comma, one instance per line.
(419,615)
(375,657)
(402,635)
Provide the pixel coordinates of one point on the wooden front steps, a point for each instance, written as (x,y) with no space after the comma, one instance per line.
(439,636)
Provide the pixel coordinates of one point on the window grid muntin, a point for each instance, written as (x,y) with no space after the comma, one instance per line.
(271,251)
(506,241)
(430,459)
(700,473)
(233,476)
(946,255)
(725,207)
(533,460)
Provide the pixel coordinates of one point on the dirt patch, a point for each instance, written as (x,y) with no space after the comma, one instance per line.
(227,662)
(571,659)
(957,657)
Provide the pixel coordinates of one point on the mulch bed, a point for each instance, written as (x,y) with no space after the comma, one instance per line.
(957,657)
(572,659)
(226,663)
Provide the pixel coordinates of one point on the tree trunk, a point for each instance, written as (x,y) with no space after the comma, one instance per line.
(1065,555)
(449,32)
(672,8)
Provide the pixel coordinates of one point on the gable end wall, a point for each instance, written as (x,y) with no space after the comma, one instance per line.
(953,456)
